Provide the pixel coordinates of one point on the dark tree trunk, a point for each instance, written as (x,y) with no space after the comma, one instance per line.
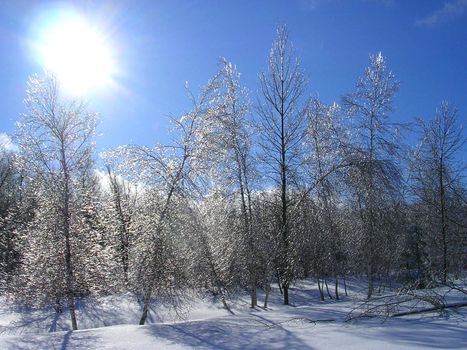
(327,288)
(337,288)
(67,233)
(320,288)
(285,287)
(345,287)
(144,315)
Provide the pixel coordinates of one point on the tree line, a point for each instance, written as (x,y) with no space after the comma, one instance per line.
(246,195)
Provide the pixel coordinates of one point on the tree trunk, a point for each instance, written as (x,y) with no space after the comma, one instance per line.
(285,287)
(337,288)
(70,289)
(253,293)
(443,223)
(67,233)
(71,305)
(321,293)
(327,288)
(266,298)
(279,284)
(144,316)
(345,287)
(370,285)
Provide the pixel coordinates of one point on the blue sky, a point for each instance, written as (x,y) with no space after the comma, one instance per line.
(159,45)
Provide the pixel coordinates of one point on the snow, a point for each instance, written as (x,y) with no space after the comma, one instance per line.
(206,325)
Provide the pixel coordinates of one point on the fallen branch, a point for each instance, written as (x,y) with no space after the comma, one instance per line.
(430,309)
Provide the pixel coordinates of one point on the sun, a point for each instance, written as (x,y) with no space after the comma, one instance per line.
(76,53)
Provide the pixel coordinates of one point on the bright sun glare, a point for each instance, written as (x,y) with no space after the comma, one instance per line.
(76,53)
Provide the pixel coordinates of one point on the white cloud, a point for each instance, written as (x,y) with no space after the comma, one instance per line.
(104,180)
(450,10)
(6,143)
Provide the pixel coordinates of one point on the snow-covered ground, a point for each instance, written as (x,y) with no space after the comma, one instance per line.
(204,324)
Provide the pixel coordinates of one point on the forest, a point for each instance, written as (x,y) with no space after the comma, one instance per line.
(255,189)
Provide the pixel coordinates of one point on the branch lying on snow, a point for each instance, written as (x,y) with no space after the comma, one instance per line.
(391,305)
(309,320)
(271,324)
(381,306)
(456,287)
(430,309)
(431,297)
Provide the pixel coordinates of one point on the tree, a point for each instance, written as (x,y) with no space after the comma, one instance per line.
(10,214)
(282,132)
(168,174)
(326,140)
(439,188)
(120,207)
(55,141)
(229,138)
(375,177)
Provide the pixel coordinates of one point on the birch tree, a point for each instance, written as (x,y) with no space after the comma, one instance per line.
(55,139)
(228,132)
(375,176)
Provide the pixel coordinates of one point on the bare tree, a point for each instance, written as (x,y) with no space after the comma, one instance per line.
(438,184)
(123,197)
(229,134)
(326,139)
(168,176)
(282,132)
(55,140)
(375,177)
(10,214)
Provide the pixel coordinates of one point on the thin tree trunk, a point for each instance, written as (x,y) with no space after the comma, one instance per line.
(266,298)
(58,306)
(123,231)
(337,288)
(370,238)
(66,232)
(69,279)
(285,287)
(345,287)
(327,288)
(162,216)
(285,223)
(253,293)
(380,285)
(144,316)
(71,305)
(321,293)
(8,258)
(370,284)
(279,284)
(443,223)
(247,218)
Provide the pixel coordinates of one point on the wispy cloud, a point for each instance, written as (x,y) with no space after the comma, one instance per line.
(450,10)
(6,143)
